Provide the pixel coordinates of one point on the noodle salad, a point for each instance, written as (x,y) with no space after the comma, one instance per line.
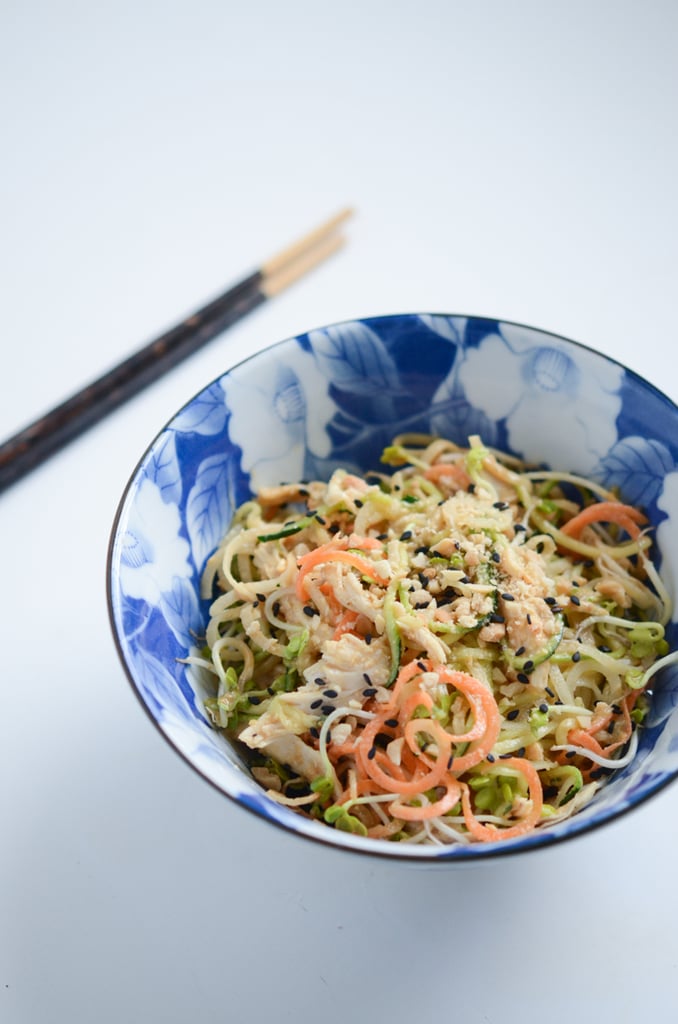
(455,651)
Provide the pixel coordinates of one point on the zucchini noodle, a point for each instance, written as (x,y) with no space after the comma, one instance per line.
(455,651)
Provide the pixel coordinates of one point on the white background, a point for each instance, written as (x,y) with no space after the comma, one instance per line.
(516,160)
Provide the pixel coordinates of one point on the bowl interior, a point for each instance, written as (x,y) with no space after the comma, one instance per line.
(336,397)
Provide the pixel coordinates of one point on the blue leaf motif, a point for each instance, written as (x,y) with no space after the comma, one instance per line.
(162,468)
(355,358)
(637,466)
(446,326)
(181,611)
(159,685)
(205,415)
(207,506)
(453,416)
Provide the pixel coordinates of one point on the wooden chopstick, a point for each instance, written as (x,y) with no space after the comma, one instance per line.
(50,433)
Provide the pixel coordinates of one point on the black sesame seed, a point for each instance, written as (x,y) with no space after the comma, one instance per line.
(276,608)
(496,617)
(549,691)
(522,678)
(316,704)
(501,505)
(616,710)
(550,600)
(450,761)
(423,550)
(406,535)
(559,703)
(520,752)
(328,709)
(367,679)
(368,639)
(540,547)
(576,656)
(270,691)
(319,681)
(315,733)
(421,665)
(370,691)
(543,707)
(575,600)
(358,503)
(471,488)
(507,597)
(495,556)
(320,519)
(391,722)
(521,650)
(464,579)
(330,694)
(261,597)
(513,714)
(371,753)
(528,619)
(491,758)
(604,649)
(528,666)
(333,528)
(570,753)
(520,528)
(505,757)
(254,699)
(308,610)
(382,536)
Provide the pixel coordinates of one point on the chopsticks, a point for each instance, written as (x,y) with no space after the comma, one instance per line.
(50,433)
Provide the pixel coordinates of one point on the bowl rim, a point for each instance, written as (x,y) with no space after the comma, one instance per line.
(439,856)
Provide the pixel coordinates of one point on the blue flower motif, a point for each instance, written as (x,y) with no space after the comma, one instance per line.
(152,552)
(288,404)
(513,377)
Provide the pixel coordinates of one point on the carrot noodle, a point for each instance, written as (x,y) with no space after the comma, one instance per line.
(492,833)
(606,511)
(330,554)
(458,651)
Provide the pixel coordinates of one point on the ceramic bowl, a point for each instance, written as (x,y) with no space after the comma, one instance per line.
(336,397)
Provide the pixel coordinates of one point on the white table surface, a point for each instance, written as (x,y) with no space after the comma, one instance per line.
(516,160)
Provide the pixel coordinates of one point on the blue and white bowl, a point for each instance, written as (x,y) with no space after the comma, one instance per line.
(336,397)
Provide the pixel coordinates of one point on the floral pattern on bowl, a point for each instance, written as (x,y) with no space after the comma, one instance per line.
(337,396)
